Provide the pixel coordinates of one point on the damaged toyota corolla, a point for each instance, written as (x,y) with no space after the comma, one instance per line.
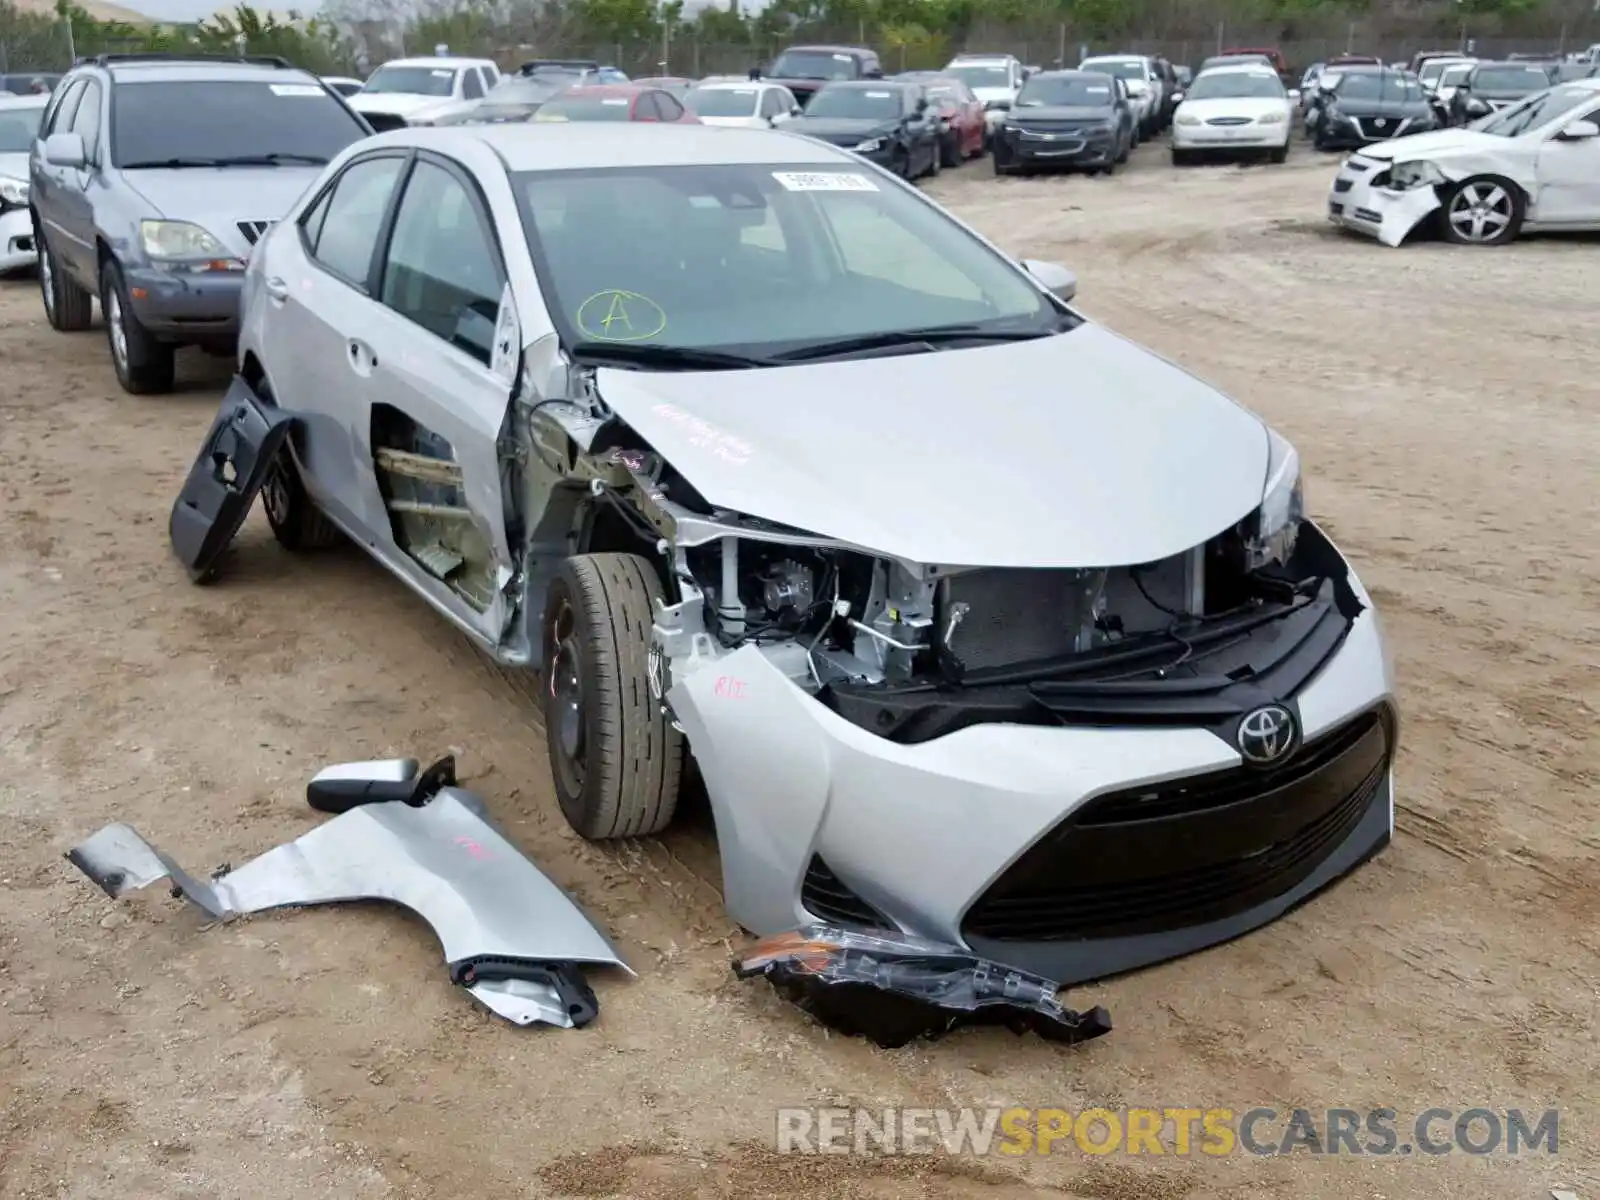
(986,628)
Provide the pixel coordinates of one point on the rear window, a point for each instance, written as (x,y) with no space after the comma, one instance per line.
(157,123)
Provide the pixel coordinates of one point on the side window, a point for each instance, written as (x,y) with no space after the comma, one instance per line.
(443,271)
(668,107)
(645,108)
(471,84)
(61,120)
(86,122)
(343,235)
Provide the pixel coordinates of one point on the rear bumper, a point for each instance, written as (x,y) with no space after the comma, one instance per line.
(17,249)
(187,307)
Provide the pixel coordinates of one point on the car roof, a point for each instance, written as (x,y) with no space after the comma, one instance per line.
(1241,68)
(562,147)
(829,49)
(195,71)
(983,58)
(443,63)
(1116,58)
(874,85)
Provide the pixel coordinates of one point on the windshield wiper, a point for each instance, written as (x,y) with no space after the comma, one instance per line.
(237,160)
(912,339)
(662,358)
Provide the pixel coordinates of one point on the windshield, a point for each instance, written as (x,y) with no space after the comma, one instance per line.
(1125,68)
(814,64)
(856,104)
(569,107)
(723,102)
(1434,69)
(1510,79)
(19,127)
(1534,111)
(1235,85)
(759,258)
(982,75)
(1066,91)
(1455,76)
(1373,85)
(193,123)
(411,81)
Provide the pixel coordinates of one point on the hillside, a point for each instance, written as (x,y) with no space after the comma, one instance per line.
(98,9)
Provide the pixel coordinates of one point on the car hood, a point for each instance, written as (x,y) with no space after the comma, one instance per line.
(14,165)
(1384,108)
(839,127)
(1236,106)
(218,198)
(1441,143)
(400,104)
(1060,112)
(1080,450)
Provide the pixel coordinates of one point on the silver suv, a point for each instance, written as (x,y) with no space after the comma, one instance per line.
(152,178)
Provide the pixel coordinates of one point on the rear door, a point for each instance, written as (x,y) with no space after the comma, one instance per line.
(441,363)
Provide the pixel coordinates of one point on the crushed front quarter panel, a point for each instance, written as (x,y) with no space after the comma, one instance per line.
(1379,212)
(233,463)
(510,936)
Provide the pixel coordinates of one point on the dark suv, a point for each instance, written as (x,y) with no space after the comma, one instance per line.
(152,178)
(805,70)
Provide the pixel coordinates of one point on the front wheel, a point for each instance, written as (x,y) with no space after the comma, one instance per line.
(1483,211)
(143,364)
(1281,154)
(614,756)
(950,152)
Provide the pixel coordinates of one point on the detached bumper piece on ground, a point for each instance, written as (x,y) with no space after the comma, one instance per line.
(893,989)
(510,936)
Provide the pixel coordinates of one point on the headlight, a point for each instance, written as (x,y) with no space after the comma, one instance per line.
(1282,506)
(13,191)
(1186,119)
(869,146)
(1407,175)
(179,241)
(1271,118)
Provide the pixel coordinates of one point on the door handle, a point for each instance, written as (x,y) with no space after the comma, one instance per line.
(362,359)
(277,290)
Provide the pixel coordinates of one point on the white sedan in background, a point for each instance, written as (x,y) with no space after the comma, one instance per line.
(748,104)
(19,127)
(1533,166)
(1233,110)
(1144,85)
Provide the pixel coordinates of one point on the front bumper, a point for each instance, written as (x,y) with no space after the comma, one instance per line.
(194,306)
(818,818)
(1230,137)
(16,240)
(1360,201)
(1076,148)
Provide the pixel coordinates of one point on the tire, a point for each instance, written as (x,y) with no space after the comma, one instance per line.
(1181,158)
(68,307)
(1126,152)
(296,521)
(950,152)
(614,756)
(1281,154)
(1499,207)
(1001,167)
(144,365)
(935,160)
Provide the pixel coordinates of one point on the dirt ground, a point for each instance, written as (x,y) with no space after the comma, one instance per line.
(1444,403)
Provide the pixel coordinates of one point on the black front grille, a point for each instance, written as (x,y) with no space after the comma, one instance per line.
(1343,185)
(1190,851)
(827,898)
(1229,121)
(1379,128)
(1369,214)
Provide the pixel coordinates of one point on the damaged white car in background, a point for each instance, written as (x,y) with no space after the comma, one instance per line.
(1534,167)
(1004,647)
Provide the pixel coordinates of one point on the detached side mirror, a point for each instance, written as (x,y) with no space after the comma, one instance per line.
(340,788)
(65,150)
(1577,131)
(1058,280)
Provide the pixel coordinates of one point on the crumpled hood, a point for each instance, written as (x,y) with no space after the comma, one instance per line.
(1080,450)
(218,198)
(1439,142)
(829,128)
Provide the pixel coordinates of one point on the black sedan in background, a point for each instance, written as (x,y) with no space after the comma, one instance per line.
(1066,119)
(1495,85)
(888,122)
(1370,104)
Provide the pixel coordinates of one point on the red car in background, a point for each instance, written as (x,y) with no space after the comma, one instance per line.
(959,109)
(1272,53)
(616,102)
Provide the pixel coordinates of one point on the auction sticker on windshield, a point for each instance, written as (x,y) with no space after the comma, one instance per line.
(295,89)
(618,103)
(824,181)
(879,95)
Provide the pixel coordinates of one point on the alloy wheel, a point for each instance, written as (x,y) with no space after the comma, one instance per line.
(117,329)
(47,281)
(564,704)
(1480,212)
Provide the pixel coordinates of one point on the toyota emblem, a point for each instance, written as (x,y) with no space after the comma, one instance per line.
(1266,734)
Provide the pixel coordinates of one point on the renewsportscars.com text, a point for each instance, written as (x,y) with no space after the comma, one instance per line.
(1180,1132)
